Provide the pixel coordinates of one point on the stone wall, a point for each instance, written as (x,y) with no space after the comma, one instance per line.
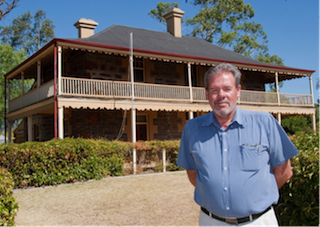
(168,126)
(88,123)
(95,66)
(165,73)
(46,127)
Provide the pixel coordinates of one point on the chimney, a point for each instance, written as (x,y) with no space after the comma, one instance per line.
(173,18)
(85,27)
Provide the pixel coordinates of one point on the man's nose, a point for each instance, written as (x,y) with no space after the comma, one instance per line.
(221,93)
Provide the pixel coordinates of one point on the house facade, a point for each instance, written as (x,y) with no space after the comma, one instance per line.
(134,84)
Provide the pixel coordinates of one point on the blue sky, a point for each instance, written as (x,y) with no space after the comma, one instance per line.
(292,26)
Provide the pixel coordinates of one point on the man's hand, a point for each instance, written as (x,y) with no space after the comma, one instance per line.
(192,175)
(282,173)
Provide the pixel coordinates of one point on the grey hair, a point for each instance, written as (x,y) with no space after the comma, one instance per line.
(219,69)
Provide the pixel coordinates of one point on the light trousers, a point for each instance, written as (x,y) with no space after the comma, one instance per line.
(267,219)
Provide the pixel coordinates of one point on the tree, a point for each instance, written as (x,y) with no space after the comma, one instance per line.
(160,10)
(9,58)
(26,35)
(295,124)
(228,24)
(28,32)
(6,6)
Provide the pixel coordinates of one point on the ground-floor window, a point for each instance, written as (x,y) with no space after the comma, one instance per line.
(141,127)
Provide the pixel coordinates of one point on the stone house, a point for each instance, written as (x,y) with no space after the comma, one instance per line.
(83,87)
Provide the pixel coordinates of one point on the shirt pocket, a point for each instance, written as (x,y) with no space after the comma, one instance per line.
(252,156)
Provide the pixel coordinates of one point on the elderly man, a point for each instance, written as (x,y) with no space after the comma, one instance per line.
(236,159)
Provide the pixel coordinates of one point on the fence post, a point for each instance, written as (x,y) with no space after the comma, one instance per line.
(134,161)
(164,159)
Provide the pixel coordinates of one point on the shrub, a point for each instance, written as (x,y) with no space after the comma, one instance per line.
(62,161)
(8,206)
(114,166)
(299,201)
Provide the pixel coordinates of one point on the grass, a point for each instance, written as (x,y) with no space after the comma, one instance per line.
(145,200)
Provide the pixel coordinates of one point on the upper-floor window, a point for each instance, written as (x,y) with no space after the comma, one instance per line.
(138,68)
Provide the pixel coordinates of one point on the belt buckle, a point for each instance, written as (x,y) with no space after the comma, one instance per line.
(231,221)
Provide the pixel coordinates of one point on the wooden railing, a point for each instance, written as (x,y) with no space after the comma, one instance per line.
(120,89)
(33,96)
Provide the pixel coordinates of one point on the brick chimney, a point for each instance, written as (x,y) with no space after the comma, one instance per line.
(85,27)
(173,18)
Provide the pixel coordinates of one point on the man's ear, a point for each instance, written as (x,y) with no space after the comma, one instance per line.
(239,91)
(206,94)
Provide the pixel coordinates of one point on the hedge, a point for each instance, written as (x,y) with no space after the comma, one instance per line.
(35,164)
(62,161)
(8,205)
(299,198)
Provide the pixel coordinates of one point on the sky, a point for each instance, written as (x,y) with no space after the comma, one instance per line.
(292,26)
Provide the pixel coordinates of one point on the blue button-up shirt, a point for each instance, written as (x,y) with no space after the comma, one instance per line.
(234,176)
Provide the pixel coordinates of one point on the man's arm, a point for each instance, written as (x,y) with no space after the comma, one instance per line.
(192,175)
(282,173)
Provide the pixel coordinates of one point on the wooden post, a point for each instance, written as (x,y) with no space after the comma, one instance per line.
(190,82)
(277,89)
(164,159)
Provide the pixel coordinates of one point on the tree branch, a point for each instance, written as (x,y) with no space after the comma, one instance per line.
(6,6)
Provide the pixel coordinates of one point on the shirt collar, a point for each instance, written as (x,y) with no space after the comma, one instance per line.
(211,119)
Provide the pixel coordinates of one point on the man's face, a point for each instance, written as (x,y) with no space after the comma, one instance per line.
(222,94)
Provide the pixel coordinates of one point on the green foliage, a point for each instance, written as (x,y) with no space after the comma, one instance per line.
(296,124)
(8,206)
(299,201)
(62,161)
(65,161)
(161,9)
(114,165)
(28,32)
(9,58)
(6,6)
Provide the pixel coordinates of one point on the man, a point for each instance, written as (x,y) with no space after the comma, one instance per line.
(236,159)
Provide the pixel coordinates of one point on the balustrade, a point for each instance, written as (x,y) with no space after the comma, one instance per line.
(71,86)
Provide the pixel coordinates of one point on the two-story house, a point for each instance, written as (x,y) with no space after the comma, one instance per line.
(83,87)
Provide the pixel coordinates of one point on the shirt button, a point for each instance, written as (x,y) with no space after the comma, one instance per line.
(225,168)
(225,150)
(226,189)
(227,208)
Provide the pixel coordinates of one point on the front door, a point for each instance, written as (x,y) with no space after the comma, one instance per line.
(141,132)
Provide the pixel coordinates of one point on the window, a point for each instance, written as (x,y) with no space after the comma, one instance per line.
(141,127)
(195,114)
(36,133)
(138,70)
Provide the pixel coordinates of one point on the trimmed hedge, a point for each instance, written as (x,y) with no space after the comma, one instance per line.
(36,164)
(62,161)
(8,205)
(299,198)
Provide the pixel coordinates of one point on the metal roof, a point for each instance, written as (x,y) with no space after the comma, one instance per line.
(166,43)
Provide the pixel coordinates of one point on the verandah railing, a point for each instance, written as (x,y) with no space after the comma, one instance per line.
(121,89)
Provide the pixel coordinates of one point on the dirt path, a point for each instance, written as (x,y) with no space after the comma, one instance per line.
(147,200)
